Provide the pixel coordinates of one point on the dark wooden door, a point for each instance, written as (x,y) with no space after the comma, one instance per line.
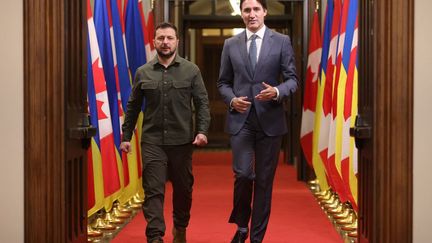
(208,52)
(78,134)
(55,130)
(211,53)
(364,142)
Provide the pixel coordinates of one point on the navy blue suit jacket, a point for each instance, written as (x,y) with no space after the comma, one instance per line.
(276,67)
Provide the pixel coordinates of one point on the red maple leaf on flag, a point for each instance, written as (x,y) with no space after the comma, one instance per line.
(98,77)
(101,113)
(310,90)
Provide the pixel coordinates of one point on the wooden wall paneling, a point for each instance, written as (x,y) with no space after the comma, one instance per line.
(394,40)
(54,104)
(43,121)
(386,102)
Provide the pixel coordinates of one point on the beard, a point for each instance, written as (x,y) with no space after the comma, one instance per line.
(166,54)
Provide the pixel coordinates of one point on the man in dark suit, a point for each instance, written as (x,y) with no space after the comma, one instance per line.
(252,66)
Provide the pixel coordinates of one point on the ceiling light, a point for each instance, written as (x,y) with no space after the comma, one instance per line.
(235,6)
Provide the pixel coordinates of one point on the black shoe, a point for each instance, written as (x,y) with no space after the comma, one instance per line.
(179,235)
(240,237)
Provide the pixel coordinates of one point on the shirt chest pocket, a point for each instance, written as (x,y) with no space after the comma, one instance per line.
(150,88)
(182,89)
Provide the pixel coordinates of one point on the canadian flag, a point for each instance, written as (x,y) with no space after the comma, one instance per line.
(311,89)
(106,138)
(147,20)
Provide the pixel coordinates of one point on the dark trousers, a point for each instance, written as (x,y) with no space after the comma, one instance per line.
(255,158)
(162,163)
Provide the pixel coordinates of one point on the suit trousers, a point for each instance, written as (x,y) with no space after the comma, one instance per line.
(160,164)
(255,158)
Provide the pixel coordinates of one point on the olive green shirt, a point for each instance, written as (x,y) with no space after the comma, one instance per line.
(167,95)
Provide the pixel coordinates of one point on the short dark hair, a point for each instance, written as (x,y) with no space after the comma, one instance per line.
(262,2)
(165,25)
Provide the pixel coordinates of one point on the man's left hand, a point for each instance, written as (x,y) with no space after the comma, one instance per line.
(200,140)
(268,93)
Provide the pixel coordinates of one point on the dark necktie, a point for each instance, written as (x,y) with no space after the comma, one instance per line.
(253,52)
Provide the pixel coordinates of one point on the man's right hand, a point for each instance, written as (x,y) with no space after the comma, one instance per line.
(240,104)
(125,147)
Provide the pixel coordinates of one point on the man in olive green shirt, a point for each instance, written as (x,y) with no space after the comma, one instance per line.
(167,85)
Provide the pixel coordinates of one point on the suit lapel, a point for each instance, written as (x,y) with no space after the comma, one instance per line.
(266,44)
(241,42)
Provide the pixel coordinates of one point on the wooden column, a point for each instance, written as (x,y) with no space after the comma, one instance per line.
(386,104)
(54,87)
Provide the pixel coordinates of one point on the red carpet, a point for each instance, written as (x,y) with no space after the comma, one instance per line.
(295,218)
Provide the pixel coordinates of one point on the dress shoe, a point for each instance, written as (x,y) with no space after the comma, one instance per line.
(179,235)
(239,237)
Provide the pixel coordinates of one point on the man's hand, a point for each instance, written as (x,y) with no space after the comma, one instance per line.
(268,93)
(240,104)
(200,140)
(126,147)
